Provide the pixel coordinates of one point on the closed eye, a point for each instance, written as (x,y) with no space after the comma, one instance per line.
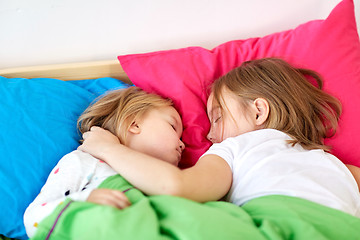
(217,119)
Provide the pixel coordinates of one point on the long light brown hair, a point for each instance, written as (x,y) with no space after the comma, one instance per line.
(118,109)
(297,107)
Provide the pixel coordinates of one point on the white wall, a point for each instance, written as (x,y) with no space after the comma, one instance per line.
(37,32)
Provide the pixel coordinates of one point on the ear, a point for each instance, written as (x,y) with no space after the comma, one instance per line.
(134,128)
(262,111)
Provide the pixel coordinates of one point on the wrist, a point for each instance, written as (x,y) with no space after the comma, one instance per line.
(112,151)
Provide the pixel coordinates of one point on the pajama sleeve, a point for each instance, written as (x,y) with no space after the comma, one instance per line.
(68,179)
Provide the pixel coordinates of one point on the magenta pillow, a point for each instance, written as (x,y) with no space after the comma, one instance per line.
(329,46)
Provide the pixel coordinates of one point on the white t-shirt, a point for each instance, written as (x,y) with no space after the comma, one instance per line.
(263,163)
(75,176)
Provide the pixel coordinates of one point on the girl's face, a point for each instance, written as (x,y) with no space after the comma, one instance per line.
(158,134)
(232,121)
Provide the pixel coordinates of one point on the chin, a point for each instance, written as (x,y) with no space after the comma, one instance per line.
(175,162)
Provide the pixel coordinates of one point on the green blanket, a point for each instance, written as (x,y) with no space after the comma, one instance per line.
(168,217)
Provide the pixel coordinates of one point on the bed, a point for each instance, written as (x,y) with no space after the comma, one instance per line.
(40,105)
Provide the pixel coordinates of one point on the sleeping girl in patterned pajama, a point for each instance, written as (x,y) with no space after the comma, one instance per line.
(144,122)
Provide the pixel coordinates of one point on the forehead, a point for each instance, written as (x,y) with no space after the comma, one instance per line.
(175,114)
(229,102)
(168,112)
(211,104)
(225,96)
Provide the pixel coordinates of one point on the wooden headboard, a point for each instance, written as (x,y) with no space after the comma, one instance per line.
(70,71)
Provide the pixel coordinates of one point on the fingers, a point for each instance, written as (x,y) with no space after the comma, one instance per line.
(92,129)
(109,197)
(96,140)
(99,133)
(119,199)
(85,135)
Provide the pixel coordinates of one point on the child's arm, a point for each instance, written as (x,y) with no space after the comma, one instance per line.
(65,180)
(210,179)
(355,171)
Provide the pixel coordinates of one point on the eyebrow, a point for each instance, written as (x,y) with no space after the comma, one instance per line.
(213,109)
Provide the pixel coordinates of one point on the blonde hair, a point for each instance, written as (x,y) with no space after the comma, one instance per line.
(118,109)
(297,107)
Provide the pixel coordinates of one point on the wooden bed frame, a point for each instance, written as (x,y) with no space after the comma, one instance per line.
(70,71)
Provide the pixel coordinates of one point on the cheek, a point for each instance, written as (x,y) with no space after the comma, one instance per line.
(225,135)
(230,130)
(216,132)
(165,139)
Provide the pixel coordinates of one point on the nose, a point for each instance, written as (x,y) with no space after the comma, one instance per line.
(210,136)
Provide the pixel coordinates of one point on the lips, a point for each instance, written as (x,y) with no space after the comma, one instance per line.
(179,151)
(179,154)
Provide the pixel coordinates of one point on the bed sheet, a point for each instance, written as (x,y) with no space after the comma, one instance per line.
(167,217)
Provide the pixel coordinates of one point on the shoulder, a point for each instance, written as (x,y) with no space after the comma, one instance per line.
(77,159)
(264,135)
(252,139)
(78,155)
(256,141)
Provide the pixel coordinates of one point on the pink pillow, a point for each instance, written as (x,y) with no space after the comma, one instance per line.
(329,46)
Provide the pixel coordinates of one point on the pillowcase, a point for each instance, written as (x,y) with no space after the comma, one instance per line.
(38,119)
(330,47)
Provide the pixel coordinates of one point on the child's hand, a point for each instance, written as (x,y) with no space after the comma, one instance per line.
(97,140)
(109,197)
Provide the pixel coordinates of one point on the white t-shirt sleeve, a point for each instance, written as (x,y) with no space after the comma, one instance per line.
(224,150)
